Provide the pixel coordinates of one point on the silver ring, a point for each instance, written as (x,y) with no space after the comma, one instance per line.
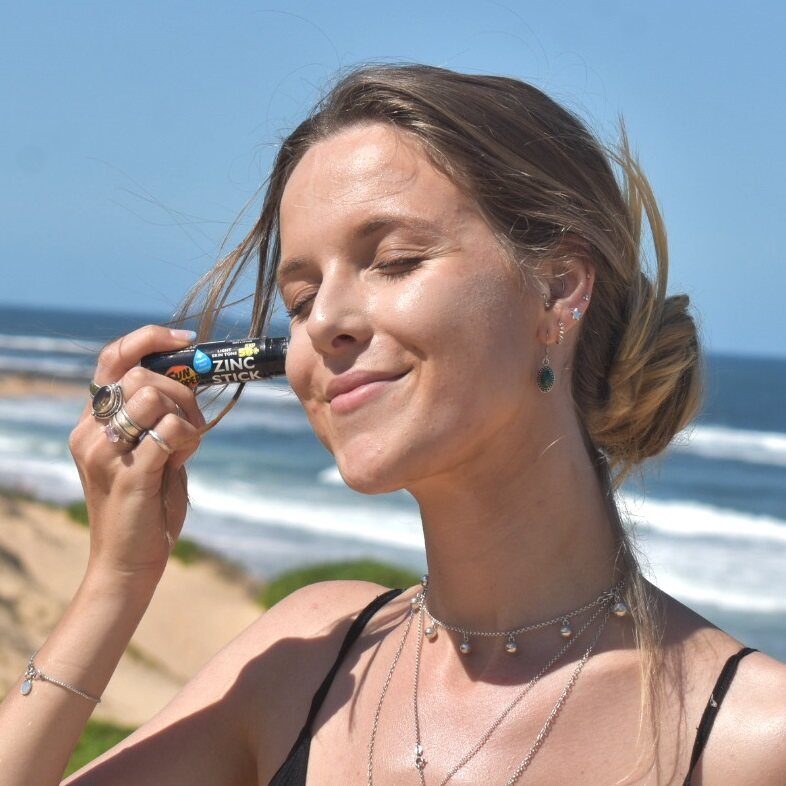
(123,422)
(107,400)
(94,388)
(160,441)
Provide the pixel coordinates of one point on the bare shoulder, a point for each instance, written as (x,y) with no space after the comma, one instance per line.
(747,743)
(750,746)
(314,611)
(242,711)
(286,654)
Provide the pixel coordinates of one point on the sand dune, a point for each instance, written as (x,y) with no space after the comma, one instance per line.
(196,610)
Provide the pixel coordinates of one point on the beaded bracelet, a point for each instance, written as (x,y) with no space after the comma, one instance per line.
(34,673)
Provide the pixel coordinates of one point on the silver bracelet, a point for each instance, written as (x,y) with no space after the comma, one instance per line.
(34,673)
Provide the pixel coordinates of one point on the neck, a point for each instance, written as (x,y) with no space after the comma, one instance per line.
(512,541)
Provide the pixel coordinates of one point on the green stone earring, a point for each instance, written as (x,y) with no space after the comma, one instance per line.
(546,376)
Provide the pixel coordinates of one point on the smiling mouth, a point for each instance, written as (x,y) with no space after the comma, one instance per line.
(353,399)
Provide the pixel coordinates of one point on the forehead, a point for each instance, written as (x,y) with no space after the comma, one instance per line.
(360,171)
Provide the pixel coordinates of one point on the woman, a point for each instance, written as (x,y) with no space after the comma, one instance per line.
(471,322)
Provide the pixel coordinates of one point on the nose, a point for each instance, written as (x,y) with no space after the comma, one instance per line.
(339,317)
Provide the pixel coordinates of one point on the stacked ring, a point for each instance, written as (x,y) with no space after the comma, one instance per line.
(107,400)
(125,426)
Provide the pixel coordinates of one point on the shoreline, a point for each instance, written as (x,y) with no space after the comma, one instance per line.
(18,385)
(43,554)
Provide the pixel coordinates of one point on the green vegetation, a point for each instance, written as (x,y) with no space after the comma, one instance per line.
(77,511)
(16,495)
(187,551)
(98,737)
(363,570)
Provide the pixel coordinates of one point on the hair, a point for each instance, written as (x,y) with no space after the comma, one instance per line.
(548,189)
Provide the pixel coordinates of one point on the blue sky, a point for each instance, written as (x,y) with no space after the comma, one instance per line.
(133,135)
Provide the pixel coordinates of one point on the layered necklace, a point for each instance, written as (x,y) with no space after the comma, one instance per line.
(607,603)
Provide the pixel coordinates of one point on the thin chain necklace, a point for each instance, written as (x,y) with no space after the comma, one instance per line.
(420,761)
(417,607)
(389,677)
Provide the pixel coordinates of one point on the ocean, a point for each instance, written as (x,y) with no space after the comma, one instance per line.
(709,515)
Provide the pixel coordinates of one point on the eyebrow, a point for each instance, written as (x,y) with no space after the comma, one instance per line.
(289,267)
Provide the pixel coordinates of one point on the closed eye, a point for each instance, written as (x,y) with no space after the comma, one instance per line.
(391,268)
(297,307)
(402,266)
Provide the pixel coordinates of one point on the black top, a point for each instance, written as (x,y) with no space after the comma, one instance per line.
(293,771)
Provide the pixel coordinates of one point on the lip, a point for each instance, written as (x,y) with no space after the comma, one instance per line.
(353,388)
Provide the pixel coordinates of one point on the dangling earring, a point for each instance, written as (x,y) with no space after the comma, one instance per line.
(546,376)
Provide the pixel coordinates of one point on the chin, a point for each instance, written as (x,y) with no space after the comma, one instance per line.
(369,468)
(365,480)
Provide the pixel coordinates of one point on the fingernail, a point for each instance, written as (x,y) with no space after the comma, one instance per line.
(184,335)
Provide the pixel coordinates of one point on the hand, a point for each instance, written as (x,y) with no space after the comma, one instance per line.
(136,494)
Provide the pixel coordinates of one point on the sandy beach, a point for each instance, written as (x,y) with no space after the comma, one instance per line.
(19,385)
(196,610)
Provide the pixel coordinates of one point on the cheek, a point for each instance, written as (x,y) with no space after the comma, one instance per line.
(467,320)
(300,375)
(297,368)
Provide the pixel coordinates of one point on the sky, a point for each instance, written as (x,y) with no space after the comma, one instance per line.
(133,135)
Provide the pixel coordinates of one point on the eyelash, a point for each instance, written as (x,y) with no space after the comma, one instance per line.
(411,262)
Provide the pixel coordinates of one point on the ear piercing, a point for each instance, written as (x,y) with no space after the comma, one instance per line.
(561,336)
(576,313)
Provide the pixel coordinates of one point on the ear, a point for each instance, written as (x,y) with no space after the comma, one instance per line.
(569,283)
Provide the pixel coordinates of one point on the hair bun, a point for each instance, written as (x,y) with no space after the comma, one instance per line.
(654,384)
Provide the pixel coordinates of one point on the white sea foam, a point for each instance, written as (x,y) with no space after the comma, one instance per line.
(50,478)
(278,421)
(721,442)
(271,393)
(42,410)
(60,369)
(685,519)
(69,346)
(331,477)
(726,596)
(361,521)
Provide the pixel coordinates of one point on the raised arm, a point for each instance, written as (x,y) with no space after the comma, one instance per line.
(135,517)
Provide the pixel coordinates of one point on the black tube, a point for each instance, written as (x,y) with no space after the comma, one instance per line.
(221,362)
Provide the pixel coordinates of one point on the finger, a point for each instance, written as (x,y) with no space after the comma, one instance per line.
(183,400)
(122,355)
(172,434)
(146,407)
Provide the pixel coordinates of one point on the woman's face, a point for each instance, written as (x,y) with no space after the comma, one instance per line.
(413,347)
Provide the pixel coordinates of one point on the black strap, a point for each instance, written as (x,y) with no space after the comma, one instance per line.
(352,634)
(713,705)
(293,770)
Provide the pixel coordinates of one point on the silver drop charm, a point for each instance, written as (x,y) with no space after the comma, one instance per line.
(565,631)
(619,609)
(510,645)
(465,647)
(27,686)
(430,632)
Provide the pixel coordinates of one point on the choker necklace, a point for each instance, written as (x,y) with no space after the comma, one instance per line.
(431,631)
(610,601)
